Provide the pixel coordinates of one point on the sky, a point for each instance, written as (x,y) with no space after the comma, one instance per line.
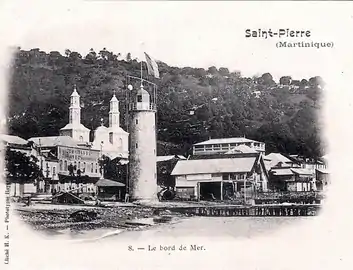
(185,33)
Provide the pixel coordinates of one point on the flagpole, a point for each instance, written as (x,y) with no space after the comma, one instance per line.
(141,73)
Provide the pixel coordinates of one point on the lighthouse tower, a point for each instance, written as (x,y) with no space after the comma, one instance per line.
(142,159)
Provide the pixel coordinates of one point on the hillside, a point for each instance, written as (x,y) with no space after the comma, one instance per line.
(282,114)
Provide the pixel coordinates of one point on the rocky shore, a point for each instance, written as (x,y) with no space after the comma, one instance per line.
(78,218)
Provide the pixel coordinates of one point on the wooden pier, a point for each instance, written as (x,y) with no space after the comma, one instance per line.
(254,210)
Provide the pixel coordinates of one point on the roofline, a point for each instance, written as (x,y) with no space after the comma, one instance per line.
(209,141)
(210,173)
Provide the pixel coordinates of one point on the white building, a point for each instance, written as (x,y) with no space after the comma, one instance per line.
(56,154)
(221,175)
(112,141)
(274,160)
(216,146)
(74,128)
(142,159)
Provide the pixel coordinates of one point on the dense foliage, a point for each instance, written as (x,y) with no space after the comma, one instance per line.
(193,103)
(21,168)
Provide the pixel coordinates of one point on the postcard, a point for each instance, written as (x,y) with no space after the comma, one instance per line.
(176,135)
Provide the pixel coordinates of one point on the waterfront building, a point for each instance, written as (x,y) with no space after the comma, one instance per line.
(218,146)
(308,163)
(322,179)
(275,160)
(15,143)
(220,176)
(291,179)
(71,165)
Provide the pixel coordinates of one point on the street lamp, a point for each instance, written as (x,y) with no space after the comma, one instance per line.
(102,161)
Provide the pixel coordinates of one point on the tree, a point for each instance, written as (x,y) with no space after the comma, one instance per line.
(40,91)
(224,71)
(128,57)
(285,80)
(21,169)
(267,79)
(212,70)
(67,52)
(113,169)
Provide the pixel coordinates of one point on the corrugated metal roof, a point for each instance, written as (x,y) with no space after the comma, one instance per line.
(282,172)
(165,158)
(108,183)
(13,139)
(302,171)
(241,149)
(325,171)
(52,141)
(273,159)
(226,140)
(200,166)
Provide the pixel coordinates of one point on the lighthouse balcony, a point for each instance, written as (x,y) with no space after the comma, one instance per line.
(142,106)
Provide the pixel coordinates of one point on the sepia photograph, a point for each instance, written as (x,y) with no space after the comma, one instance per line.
(120,127)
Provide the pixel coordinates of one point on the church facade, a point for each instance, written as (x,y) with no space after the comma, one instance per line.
(112,141)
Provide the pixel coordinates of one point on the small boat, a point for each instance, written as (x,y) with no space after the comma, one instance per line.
(162,219)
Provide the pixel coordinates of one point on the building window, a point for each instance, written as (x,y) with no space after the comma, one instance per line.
(84,166)
(96,168)
(111,138)
(61,165)
(65,165)
(91,167)
(139,98)
(81,139)
(79,165)
(136,146)
(137,121)
(54,171)
(225,176)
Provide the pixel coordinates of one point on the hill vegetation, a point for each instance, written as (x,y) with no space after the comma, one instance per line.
(194,104)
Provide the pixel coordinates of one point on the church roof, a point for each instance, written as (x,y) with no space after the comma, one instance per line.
(117,130)
(101,129)
(114,98)
(72,126)
(74,93)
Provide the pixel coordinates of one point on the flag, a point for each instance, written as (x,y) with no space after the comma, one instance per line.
(152,66)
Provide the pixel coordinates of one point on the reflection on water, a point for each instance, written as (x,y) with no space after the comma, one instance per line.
(196,227)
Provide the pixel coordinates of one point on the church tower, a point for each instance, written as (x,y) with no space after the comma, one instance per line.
(74,128)
(142,157)
(118,137)
(114,114)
